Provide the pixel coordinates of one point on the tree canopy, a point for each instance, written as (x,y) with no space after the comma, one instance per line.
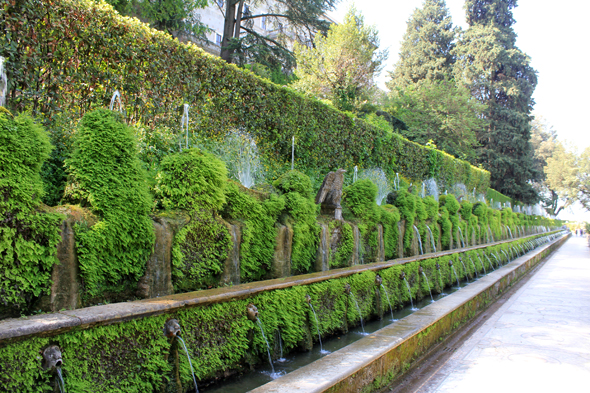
(440,112)
(342,65)
(176,17)
(568,174)
(291,20)
(426,52)
(499,75)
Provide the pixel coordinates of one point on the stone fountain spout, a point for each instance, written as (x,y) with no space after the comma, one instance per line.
(252,312)
(171,328)
(330,194)
(378,280)
(347,289)
(51,357)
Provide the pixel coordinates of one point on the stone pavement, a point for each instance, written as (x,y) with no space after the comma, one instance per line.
(538,341)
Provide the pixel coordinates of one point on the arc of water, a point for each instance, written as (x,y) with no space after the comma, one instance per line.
(423,194)
(317,325)
(116,98)
(189,362)
(461,236)
(482,265)
(464,268)
(355,176)
(457,277)
(431,239)
(491,234)
(60,381)
(293,153)
(419,239)
(3,82)
(184,121)
(387,297)
(497,259)
(473,264)
(409,293)
(506,255)
(280,345)
(267,346)
(358,309)
(427,283)
(489,260)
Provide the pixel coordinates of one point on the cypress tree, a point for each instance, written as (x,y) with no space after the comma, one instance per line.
(500,76)
(427,46)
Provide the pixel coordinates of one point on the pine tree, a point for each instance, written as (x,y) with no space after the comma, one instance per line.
(499,75)
(426,48)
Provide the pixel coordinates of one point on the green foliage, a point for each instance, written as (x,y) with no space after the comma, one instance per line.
(192,180)
(406,203)
(445,226)
(258,215)
(360,199)
(343,254)
(499,75)
(195,181)
(341,66)
(294,181)
(441,112)
(426,48)
(28,237)
(302,210)
(125,55)
(198,253)
(105,169)
(176,17)
(219,337)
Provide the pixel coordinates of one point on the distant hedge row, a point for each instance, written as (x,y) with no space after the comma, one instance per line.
(69,56)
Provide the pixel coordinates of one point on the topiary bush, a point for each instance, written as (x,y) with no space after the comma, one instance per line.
(195,181)
(105,173)
(258,212)
(28,237)
(406,203)
(302,210)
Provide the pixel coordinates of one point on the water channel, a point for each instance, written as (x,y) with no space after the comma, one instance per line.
(293,361)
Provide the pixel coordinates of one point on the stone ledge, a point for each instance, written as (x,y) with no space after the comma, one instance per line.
(379,357)
(83,318)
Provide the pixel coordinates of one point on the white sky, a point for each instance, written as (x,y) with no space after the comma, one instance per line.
(553,33)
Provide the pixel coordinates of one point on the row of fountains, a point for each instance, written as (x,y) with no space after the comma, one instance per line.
(52,357)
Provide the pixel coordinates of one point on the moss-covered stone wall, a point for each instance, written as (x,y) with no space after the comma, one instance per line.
(133,356)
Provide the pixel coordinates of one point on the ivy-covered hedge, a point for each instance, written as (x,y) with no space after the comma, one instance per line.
(28,236)
(131,356)
(69,56)
(106,175)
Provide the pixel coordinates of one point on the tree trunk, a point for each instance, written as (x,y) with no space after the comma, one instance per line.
(228,29)
(239,19)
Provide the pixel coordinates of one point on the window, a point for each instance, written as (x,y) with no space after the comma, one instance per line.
(263,22)
(220,3)
(246,11)
(218,39)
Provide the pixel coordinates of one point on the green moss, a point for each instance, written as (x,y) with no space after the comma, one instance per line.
(192,180)
(258,214)
(28,237)
(107,175)
(302,212)
(406,204)
(341,252)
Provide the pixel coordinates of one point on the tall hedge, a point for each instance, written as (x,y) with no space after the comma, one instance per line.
(28,237)
(106,174)
(71,55)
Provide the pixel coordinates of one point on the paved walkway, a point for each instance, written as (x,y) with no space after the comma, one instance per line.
(538,341)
